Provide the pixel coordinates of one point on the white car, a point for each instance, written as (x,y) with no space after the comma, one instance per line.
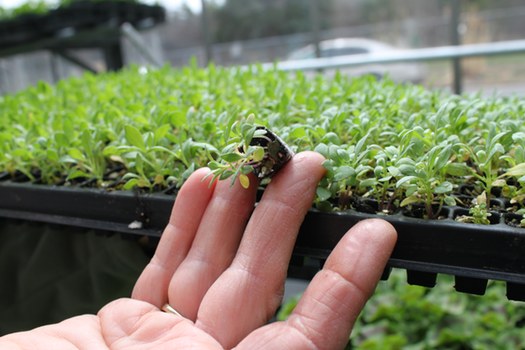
(399,72)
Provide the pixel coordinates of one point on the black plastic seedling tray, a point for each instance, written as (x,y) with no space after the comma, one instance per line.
(78,16)
(472,253)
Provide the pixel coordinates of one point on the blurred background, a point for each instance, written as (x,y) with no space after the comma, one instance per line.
(239,32)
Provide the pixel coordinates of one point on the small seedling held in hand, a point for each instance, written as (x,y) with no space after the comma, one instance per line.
(252,149)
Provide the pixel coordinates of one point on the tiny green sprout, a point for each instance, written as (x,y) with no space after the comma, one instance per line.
(253,149)
(478,214)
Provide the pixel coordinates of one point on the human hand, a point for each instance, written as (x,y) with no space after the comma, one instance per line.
(222,265)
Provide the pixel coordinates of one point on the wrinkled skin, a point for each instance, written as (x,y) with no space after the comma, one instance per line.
(222,265)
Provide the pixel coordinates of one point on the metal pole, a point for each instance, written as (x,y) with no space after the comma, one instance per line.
(413,55)
(4,82)
(113,57)
(205,32)
(314,18)
(55,74)
(455,40)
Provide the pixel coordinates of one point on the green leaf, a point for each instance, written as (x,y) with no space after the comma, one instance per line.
(78,174)
(205,146)
(385,179)
(247,132)
(394,171)
(231,157)
(322,149)
(162,131)
(482,156)
(178,118)
(361,144)
(497,148)
(258,154)
(134,137)
(344,172)
(411,190)
(130,184)
(76,154)
(110,151)
(225,174)
(52,155)
(87,139)
(331,137)
(298,132)
(144,183)
(139,164)
(61,139)
(404,180)
(323,194)
(445,187)
(518,170)
(499,183)
(246,169)
(127,176)
(458,169)
(214,165)
(443,157)
(410,200)
(22,153)
(368,183)
(68,159)
(450,201)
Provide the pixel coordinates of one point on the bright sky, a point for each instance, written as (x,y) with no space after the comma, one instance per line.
(195,5)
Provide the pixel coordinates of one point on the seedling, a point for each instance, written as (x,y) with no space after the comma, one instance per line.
(252,149)
(426,183)
(486,156)
(478,214)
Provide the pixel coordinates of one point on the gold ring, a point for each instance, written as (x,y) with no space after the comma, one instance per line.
(169,309)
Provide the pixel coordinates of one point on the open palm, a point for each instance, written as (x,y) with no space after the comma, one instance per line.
(222,265)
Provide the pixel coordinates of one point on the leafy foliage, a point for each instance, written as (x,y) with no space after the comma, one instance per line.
(401,146)
(401,316)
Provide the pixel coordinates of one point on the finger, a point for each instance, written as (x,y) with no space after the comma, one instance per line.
(187,212)
(330,305)
(214,247)
(249,292)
